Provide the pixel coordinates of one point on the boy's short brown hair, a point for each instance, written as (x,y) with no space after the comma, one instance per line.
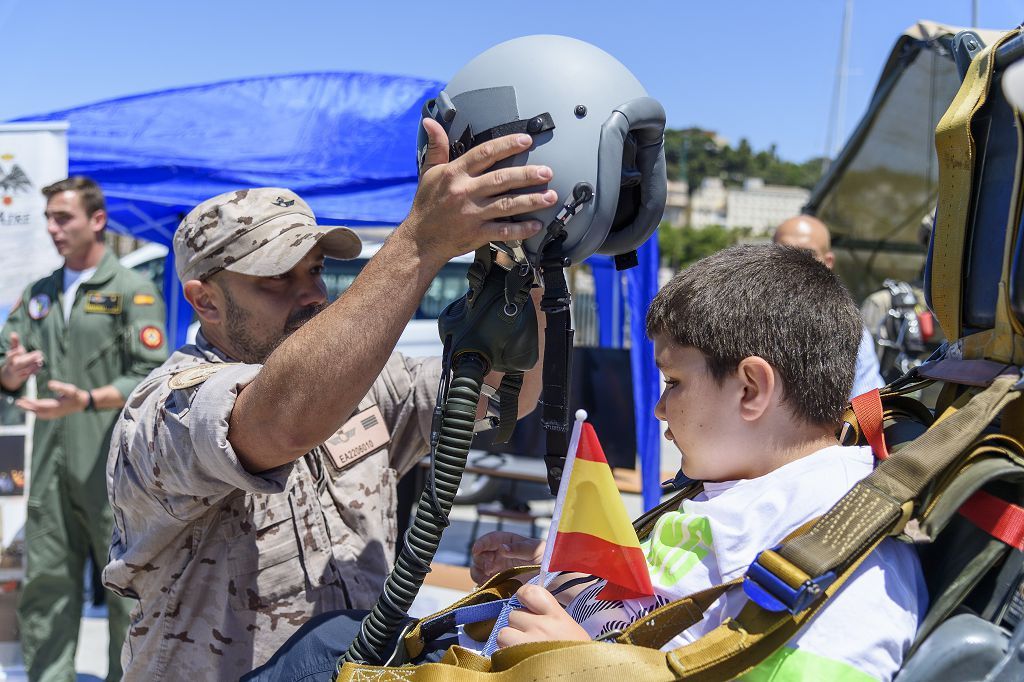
(771,301)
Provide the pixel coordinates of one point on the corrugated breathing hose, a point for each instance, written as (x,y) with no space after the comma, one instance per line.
(435,503)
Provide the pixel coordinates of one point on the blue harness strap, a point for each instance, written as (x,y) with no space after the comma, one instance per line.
(445,623)
(492,642)
(498,610)
(512,604)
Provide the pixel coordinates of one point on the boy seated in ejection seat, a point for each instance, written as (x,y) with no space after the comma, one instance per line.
(757,345)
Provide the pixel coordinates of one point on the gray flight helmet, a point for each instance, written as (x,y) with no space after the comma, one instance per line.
(592,122)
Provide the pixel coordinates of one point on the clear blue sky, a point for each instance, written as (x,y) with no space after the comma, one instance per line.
(760,70)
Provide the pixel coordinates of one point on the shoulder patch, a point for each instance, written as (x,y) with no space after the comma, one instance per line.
(39,306)
(193,376)
(151,337)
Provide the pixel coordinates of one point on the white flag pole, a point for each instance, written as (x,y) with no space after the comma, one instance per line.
(563,486)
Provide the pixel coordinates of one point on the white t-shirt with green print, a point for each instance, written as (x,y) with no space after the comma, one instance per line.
(861,634)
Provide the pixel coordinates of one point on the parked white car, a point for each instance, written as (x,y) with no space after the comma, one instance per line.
(420,338)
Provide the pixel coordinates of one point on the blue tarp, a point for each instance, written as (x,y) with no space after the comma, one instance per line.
(344,141)
(622,295)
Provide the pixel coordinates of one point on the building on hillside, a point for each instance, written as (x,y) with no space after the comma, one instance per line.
(676,200)
(708,203)
(756,205)
(762,207)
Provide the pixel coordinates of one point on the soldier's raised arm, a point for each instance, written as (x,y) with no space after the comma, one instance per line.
(313,380)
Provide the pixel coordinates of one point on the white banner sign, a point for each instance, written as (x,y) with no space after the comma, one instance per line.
(32,155)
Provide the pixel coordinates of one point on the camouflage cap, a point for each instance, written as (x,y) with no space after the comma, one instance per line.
(262,232)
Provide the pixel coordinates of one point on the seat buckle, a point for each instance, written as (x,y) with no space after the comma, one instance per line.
(772,593)
(1019,386)
(612,637)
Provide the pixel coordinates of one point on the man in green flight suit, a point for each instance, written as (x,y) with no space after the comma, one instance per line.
(89,332)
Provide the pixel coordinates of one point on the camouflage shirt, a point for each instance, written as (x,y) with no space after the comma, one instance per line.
(225,564)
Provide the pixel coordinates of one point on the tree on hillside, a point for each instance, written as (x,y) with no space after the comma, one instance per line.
(681,246)
(692,154)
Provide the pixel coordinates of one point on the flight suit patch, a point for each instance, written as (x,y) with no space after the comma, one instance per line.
(151,337)
(39,306)
(144,299)
(103,302)
(360,436)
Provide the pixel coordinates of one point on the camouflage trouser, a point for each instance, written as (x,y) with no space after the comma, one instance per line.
(61,531)
(311,654)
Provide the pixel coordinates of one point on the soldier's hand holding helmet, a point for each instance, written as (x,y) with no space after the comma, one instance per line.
(459,204)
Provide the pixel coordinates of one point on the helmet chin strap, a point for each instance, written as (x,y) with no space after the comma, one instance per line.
(582,193)
(533,126)
(557,370)
(558,336)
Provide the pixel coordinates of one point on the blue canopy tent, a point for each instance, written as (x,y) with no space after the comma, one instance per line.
(343,141)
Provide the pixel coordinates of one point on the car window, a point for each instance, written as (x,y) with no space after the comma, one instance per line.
(449,284)
(338,275)
(154,270)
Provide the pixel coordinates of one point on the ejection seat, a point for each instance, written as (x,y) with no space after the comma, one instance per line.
(971,537)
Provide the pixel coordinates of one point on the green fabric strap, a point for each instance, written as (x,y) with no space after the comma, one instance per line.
(872,507)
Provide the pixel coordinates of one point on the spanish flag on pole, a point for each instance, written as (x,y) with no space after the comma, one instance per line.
(590,530)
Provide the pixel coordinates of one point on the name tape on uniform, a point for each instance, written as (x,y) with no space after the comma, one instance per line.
(360,436)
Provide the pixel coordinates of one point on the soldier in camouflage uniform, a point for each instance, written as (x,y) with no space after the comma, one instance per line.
(89,332)
(253,474)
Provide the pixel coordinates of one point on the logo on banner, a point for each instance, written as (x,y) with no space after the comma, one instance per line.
(30,158)
(13,180)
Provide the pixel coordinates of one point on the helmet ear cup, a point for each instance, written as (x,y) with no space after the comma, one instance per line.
(636,133)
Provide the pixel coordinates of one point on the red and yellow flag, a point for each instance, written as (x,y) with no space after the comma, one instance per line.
(590,529)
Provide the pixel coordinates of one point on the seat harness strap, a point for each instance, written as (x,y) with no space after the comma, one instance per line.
(999,518)
(868,408)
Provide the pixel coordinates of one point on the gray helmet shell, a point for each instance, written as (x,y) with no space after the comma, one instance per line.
(607,133)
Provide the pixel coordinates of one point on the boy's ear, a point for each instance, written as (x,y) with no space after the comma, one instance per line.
(757,378)
(203,300)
